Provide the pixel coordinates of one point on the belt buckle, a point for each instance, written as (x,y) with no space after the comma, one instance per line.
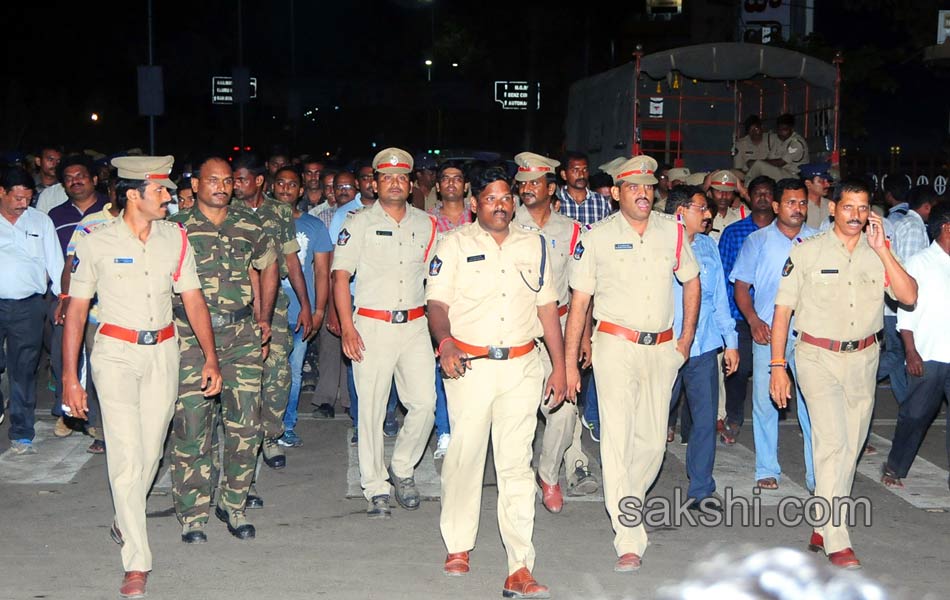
(147,338)
(849,346)
(647,339)
(498,353)
(399,316)
(218,320)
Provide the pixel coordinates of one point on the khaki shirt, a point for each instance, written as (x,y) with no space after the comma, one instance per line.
(836,294)
(492,291)
(629,276)
(133,279)
(562,234)
(721,222)
(794,151)
(388,259)
(818,215)
(747,150)
(224,254)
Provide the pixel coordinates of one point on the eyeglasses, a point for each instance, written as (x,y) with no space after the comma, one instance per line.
(344,187)
(700,207)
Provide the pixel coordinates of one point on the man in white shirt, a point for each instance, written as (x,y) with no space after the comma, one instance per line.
(910,233)
(32,259)
(926,334)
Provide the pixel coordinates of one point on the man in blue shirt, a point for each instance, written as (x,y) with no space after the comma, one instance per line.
(314,255)
(715,327)
(759,267)
(32,259)
(761,194)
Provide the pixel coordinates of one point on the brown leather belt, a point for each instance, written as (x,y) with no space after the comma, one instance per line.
(141,337)
(644,338)
(393,316)
(562,310)
(836,345)
(495,352)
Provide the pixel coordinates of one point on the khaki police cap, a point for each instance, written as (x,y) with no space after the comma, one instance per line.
(724,180)
(639,169)
(393,160)
(678,174)
(696,178)
(146,168)
(531,166)
(610,167)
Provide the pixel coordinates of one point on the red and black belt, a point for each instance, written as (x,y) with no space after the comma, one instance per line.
(393,316)
(644,338)
(838,345)
(494,352)
(138,336)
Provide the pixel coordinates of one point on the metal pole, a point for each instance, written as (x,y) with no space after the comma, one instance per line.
(835,156)
(636,100)
(240,41)
(151,59)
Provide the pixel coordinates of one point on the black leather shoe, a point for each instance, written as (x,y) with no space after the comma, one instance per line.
(707,506)
(194,535)
(254,501)
(241,529)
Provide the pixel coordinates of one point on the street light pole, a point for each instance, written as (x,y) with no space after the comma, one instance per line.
(151,62)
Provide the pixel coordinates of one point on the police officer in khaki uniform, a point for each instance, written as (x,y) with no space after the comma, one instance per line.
(785,157)
(626,264)
(756,145)
(561,441)
(387,246)
(490,293)
(135,264)
(725,186)
(834,282)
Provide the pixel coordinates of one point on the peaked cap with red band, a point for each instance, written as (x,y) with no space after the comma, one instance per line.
(639,169)
(146,168)
(393,160)
(531,166)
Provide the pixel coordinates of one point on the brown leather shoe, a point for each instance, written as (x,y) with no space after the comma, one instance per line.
(627,563)
(816,543)
(456,563)
(551,496)
(521,584)
(845,559)
(133,584)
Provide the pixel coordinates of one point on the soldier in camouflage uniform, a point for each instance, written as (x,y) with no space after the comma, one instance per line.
(231,250)
(278,222)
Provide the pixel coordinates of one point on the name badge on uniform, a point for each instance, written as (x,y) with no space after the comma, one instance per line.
(623,246)
(829,271)
(123,261)
(475,258)
(386,233)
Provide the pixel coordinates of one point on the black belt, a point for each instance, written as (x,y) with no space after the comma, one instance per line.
(218,319)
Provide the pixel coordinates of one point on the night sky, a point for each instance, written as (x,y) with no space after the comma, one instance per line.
(361,64)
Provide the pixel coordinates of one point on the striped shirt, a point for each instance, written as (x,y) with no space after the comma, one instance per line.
(594,207)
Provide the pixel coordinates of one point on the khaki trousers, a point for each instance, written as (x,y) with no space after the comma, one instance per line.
(839,388)
(561,442)
(760,167)
(137,388)
(498,398)
(634,384)
(402,351)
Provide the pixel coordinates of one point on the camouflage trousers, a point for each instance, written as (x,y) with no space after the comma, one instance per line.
(275,386)
(239,356)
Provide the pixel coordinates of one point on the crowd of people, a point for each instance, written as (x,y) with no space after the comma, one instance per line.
(481,298)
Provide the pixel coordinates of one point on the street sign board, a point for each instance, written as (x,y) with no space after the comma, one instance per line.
(222,89)
(515,95)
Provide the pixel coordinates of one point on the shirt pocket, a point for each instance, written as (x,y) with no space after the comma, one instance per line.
(825,284)
(870,288)
(382,247)
(477,280)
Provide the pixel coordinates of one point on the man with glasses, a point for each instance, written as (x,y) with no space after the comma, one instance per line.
(759,267)
(715,328)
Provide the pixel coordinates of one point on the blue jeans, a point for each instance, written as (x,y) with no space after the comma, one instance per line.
(296,358)
(765,416)
(700,378)
(591,412)
(892,360)
(441,408)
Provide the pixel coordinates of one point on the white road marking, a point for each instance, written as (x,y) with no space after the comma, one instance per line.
(925,486)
